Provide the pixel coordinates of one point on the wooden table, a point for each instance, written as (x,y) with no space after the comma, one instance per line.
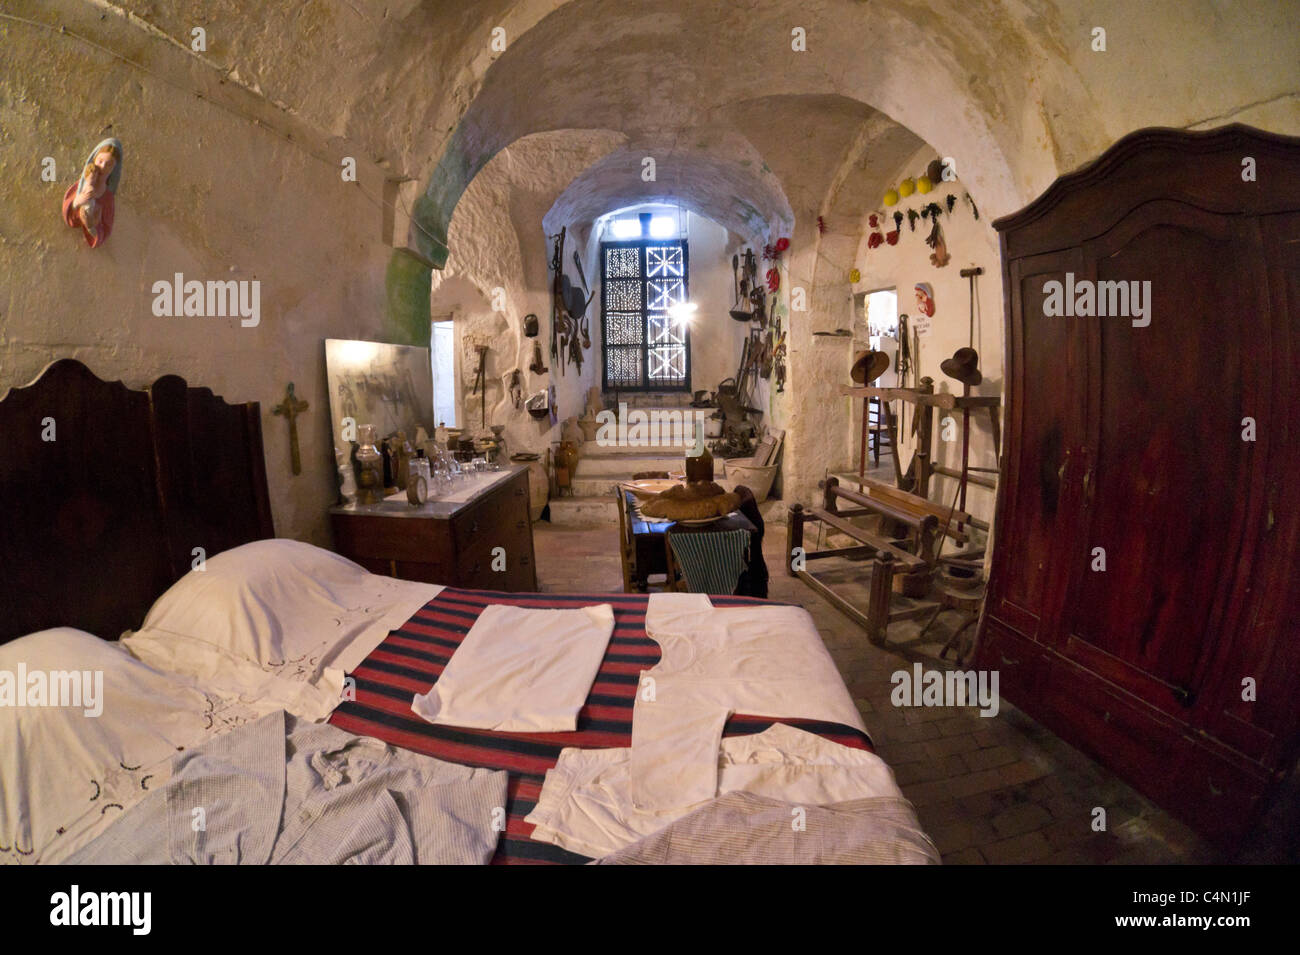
(648,537)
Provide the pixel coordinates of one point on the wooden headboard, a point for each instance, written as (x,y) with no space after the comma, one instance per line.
(105,492)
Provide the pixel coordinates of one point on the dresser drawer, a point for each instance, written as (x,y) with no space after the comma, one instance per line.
(367,537)
(477,560)
(506,507)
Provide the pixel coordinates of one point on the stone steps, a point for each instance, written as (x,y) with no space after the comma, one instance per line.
(584,511)
(601,468)
(657,426)
(628,464)
(598,452)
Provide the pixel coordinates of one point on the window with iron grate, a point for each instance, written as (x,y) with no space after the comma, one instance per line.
(646,347)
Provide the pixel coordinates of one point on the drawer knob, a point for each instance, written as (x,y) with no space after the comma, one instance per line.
(519,492)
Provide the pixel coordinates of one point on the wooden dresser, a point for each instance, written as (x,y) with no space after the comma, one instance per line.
(1143,599)
(452,541)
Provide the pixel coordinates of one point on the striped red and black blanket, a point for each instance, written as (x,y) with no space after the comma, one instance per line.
(410,660)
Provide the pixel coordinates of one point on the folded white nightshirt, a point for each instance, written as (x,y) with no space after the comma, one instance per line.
(586,803)
(762,661)
(521,669)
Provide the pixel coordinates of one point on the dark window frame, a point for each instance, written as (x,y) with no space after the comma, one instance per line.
(649,386)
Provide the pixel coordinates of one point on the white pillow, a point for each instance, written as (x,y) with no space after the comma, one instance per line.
(275,621)
(68,771)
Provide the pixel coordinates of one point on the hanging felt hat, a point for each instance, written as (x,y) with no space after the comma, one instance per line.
(964,366)
(868,366)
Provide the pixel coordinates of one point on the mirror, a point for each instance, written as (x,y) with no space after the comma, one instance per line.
(388,386)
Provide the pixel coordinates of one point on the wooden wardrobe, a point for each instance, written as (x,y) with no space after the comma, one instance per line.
(1128,444)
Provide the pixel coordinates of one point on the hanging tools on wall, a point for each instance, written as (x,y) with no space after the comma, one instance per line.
(537,367)
(746,282)
(904,362)
(480,383)
(568,312)
(970,274)
(964,367)
(584,328)
(558,343)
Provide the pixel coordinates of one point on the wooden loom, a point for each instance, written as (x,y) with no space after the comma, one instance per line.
(922,466)
(907,562)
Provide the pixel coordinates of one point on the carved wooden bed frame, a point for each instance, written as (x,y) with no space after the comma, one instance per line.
(96,523)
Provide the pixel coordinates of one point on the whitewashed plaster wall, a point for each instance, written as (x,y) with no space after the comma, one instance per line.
(498,242)
(204,192)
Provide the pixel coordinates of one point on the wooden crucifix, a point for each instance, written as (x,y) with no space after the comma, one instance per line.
(290,408)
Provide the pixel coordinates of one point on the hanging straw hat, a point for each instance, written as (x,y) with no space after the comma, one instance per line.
(964,366)
(868,366)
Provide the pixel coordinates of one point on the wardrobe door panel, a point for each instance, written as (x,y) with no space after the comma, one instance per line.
(1045,426)
(1259,718)
(1166,461)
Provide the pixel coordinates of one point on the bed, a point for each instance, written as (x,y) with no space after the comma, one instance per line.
(163,492)
(413,655)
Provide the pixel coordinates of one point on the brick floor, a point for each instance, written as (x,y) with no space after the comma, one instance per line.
(999,789)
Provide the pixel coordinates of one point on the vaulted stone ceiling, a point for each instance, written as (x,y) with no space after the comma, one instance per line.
(1012,89)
